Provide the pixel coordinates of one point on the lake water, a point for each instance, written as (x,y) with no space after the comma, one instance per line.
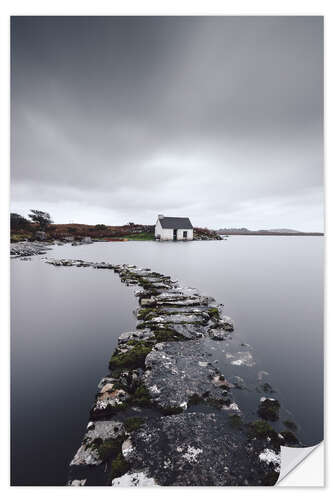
(66,321)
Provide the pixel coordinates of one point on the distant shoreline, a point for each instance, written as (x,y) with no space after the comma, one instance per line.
(257,233)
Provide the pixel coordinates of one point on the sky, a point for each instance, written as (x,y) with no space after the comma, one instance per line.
(118,119)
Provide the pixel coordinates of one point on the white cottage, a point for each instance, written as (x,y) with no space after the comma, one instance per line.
(173,228)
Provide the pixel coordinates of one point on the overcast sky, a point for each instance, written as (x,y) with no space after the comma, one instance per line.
(217,118)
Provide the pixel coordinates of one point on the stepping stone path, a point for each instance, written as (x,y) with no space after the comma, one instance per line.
(164,414)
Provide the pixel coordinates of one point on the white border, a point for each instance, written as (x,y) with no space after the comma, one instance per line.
(142,7)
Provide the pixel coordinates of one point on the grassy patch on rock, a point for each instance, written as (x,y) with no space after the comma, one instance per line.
(168,335)
(269,409)
(133,423)
(146,313)
(135,358)
(213,313)
(119,467)
(141,396)
(261,429)
(107,449)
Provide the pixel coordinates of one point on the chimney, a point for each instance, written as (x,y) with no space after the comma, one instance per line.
(160,216)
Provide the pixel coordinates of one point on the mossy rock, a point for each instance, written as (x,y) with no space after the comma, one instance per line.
(270,478)
(147,313)
(235,421)
(141,396)
(133,423)
(168,335)
(107,449)
(261,429)
(109,411)
(289,437)
(290,425)
(269,409)
(219,403)
(119,467)
(213,313)
(195,399)
(266,387)
(172,410)
(135,358)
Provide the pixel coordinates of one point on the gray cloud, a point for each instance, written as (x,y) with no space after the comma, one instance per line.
(219,118)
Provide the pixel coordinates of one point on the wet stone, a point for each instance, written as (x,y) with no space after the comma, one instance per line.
(218,334)
(198,449)
(269,409)
(227,323)
(87,454)
(137,335)
(178,371)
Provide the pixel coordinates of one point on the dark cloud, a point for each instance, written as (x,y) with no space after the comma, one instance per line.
(219,118)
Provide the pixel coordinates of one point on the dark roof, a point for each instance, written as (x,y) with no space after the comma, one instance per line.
(176,223)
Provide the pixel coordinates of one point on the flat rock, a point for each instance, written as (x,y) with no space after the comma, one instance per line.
(199,449)
(87,455)
(176,371)
(143,334)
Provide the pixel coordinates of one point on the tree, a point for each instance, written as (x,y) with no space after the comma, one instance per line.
(41,218)
(100,227)
(18,222)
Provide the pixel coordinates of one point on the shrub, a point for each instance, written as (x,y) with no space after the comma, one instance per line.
(18,222)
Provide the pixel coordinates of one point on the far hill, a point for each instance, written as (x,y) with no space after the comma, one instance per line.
(267,232)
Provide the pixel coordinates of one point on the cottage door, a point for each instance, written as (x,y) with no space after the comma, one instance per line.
(175,234)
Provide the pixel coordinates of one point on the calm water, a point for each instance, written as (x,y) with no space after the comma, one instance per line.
(65,323)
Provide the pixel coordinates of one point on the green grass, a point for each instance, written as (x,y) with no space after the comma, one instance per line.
(16,237)
(141,397)
(140,237)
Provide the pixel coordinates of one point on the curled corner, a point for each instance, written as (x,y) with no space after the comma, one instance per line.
(291,458)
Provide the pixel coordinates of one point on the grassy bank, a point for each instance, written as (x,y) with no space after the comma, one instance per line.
(140,237)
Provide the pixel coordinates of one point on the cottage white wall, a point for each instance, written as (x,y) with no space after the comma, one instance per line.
(167,234)
(180,233)
(158,229)
(164,234)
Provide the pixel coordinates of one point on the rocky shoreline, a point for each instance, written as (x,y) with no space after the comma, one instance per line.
(164,414)
(28,249)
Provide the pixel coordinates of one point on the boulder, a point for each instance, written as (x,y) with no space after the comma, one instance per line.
(40,235)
